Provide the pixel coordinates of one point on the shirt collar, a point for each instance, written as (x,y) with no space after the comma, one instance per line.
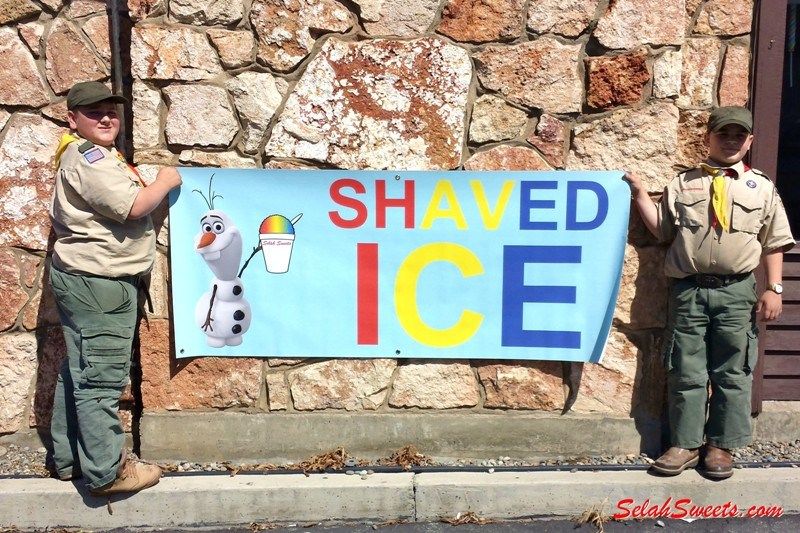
(735,171)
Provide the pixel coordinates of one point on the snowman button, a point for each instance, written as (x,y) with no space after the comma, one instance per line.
(236,329)
(238,315)
(237,290)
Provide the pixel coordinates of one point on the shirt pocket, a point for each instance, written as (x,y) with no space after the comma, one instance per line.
(746,214)
(691,210)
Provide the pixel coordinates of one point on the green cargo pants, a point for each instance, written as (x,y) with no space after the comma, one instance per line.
(98,316)
(712,337)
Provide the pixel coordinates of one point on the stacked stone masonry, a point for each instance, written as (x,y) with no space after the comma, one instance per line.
(364,84)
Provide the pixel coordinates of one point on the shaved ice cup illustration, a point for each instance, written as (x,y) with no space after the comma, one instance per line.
(277,240)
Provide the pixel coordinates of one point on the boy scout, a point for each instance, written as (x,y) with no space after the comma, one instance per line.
(722,218)
(104,242)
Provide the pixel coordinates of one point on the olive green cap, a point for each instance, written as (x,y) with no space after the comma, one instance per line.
(91,92)
(722,116)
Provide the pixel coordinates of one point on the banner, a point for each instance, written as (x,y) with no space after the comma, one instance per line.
(433,264)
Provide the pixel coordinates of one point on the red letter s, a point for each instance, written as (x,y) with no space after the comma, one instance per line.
(346,201)
(625,511)
(680,511)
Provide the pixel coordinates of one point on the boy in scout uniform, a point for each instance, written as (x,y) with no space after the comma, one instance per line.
(104,242)
(721,219)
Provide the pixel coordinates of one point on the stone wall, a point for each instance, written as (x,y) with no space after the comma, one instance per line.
(363,84)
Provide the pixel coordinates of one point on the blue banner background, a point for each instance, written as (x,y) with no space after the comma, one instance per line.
(310,311)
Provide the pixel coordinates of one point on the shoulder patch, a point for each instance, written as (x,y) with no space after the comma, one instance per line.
(85,146)
(95,154)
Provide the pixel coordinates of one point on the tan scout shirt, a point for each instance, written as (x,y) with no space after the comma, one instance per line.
(758,223)
(94,192)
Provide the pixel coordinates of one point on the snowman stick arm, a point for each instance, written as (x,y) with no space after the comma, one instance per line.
(255,251)
(207,323)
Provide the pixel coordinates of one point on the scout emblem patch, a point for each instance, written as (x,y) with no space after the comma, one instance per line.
(95,154)
(751,184)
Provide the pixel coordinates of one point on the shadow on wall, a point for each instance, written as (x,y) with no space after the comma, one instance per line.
(648,310)
(51,350)
(648,405)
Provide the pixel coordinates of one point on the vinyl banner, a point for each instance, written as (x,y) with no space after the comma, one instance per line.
(434,264)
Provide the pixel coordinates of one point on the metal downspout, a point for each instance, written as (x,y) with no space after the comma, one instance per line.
(116,69)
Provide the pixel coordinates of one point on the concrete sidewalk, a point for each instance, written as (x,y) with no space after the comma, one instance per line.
(295,498)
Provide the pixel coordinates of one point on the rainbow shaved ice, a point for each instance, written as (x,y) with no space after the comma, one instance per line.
(276,234)
(276,224)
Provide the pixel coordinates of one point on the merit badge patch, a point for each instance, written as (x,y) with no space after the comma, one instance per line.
(751,184)
(95,154)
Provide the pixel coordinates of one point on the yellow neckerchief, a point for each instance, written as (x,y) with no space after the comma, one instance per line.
(69,138)
(66,140)
(719,199)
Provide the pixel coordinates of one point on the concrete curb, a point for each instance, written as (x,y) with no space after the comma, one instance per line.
(208,500)
(221,499)
(281,437)
(539,494)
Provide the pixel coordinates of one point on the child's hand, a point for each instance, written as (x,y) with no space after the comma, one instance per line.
(770,304)
(148,198)
(170,176)
(643,202)
(634,181)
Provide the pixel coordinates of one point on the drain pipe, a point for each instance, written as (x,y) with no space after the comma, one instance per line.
(124,144)
(116,70)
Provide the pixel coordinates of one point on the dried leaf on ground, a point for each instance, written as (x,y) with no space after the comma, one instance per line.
(466,518)
(233,469)
(54,530)
(260,467)
(261,526)
(407,456)
(333,460)
(395,522)
(593,516)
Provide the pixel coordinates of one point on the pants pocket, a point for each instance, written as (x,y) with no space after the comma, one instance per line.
(106,356)
(751,355)
(111,296)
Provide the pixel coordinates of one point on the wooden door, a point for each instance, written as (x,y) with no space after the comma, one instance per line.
(776,109)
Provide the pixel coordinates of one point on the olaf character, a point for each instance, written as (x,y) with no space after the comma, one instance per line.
(222,313)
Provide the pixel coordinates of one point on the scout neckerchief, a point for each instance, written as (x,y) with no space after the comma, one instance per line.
(719,199)
(131,167)
(68,138)
(65,141)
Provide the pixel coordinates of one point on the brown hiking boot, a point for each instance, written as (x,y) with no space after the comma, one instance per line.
(133,476)
(676,460)
(718,462)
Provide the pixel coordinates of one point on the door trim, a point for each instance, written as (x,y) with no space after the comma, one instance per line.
(768,40)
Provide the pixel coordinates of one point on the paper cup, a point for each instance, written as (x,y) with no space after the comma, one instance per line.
(277,250)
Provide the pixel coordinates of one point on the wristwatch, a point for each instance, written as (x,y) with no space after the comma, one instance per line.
(777,288)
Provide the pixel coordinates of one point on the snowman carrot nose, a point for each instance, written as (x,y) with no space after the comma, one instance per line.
(206,239)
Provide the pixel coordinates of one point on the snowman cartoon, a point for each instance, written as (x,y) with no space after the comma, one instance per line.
(223,312)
